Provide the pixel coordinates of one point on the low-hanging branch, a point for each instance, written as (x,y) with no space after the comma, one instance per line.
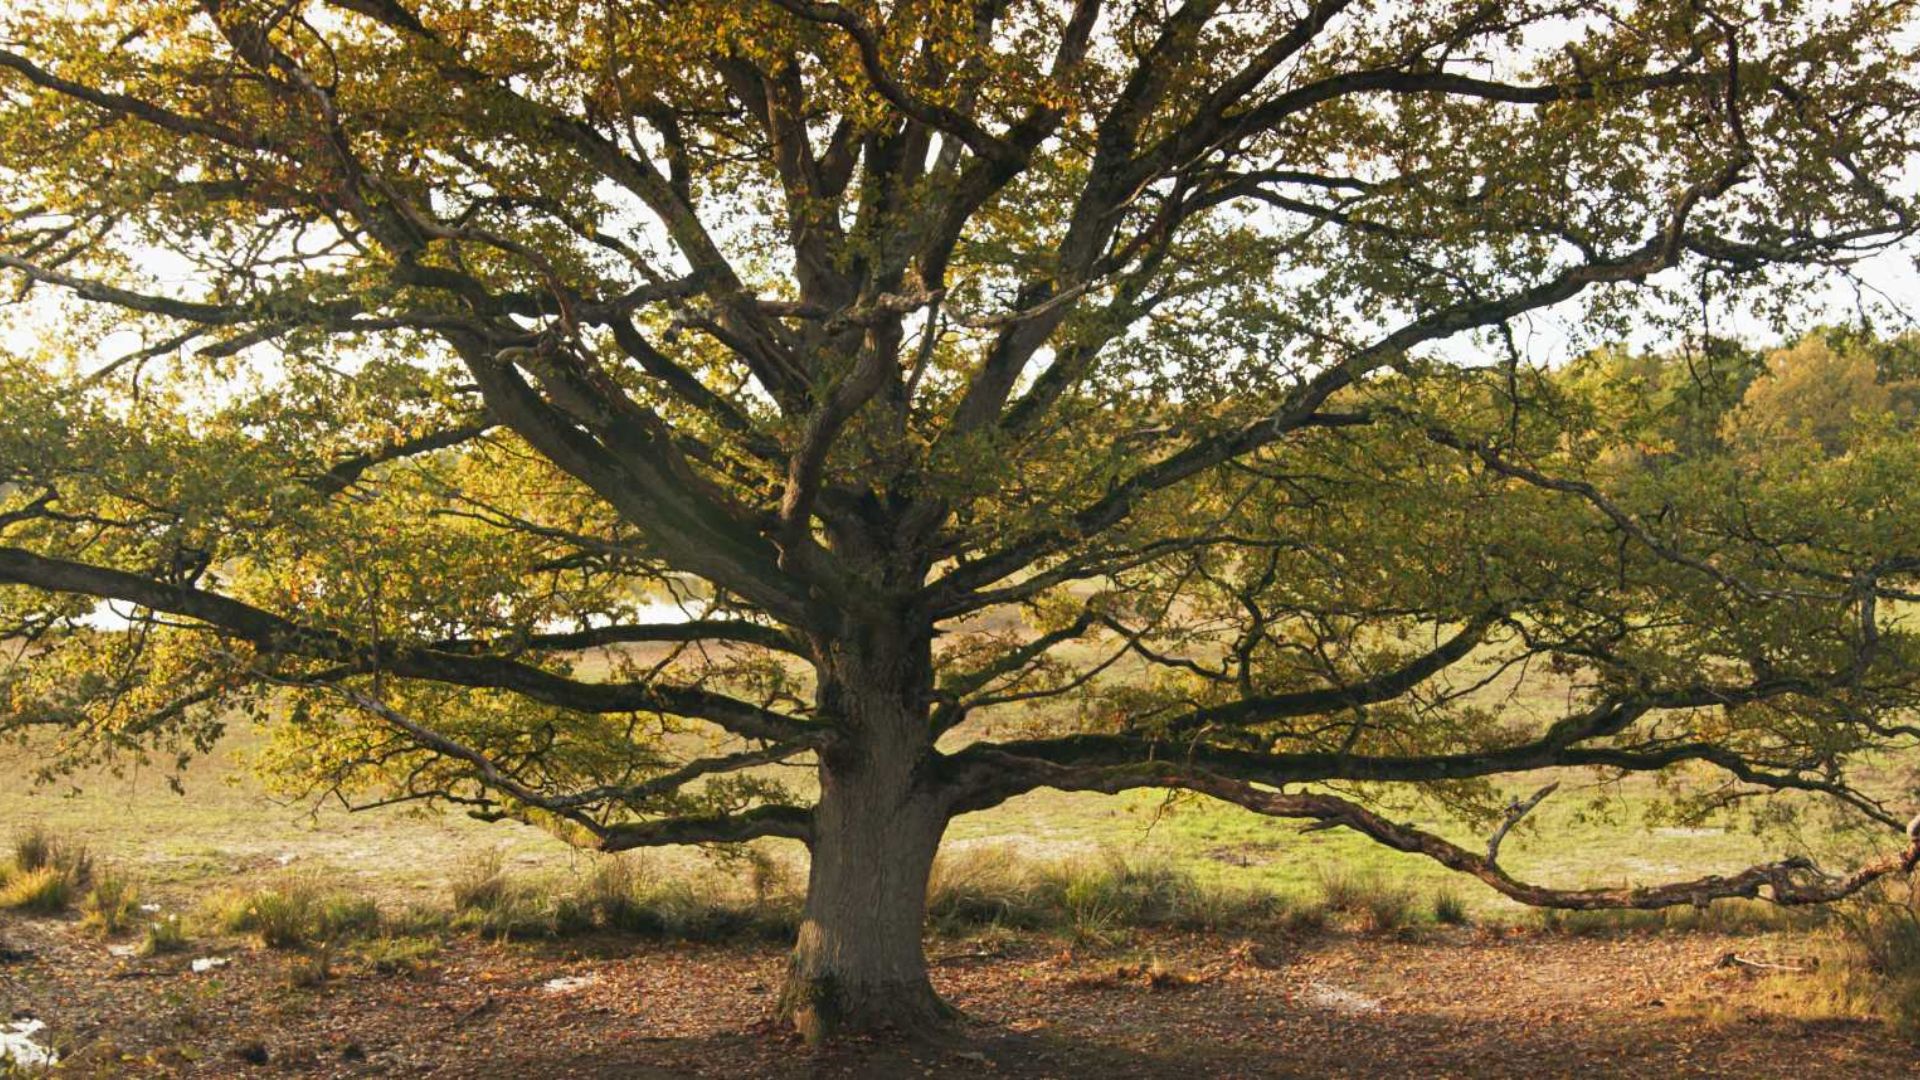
(1791,881)
(271,634)
(591,808)
(986,774)
(786,822)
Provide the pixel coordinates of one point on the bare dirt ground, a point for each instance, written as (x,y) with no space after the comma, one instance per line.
(1451,1003)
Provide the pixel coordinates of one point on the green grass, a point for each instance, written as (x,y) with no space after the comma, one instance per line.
(227,830)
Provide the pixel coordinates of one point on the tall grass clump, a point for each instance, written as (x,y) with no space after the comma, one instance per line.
(44,891)
(487,901)
(1377,904)
(298,914)
(48,872)
(167,934)
(1449,907)
(1864,963)
(111,906)
(622,894)
(1091,898)
(479,882)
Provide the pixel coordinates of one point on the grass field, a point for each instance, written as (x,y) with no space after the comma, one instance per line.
(225,829)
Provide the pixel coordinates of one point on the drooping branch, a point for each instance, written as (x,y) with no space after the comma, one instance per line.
(788,822)
(1791,881)
(485,770)
(275,634)
(669,782)
(984,774)
(578,807)
(1386,686)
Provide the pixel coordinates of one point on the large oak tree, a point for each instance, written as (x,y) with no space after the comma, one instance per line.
(383,364)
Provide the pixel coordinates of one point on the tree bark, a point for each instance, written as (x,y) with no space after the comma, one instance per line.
(858,965)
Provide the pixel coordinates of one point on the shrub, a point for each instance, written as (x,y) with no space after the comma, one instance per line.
(1449,908)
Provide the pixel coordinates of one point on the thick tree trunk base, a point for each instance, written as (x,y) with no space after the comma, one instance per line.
(859,966)
(822,1008)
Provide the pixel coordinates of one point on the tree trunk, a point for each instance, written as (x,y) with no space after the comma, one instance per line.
(859,965)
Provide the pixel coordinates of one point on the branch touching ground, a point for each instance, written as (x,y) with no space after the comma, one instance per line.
(1792,881)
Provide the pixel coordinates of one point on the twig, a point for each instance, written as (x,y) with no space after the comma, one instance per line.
(1515,811)
(1736,960)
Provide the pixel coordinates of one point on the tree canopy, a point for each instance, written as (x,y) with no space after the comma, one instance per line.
(572,411)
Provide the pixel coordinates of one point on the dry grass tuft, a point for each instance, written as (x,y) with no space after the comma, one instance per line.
(46,873)
(1093,900)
